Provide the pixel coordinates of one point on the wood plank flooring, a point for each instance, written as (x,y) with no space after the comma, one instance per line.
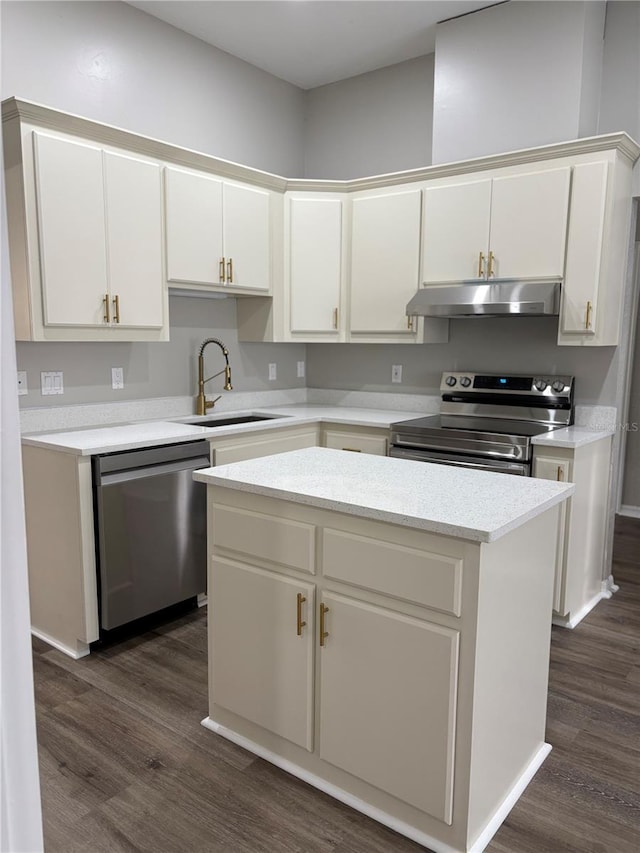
(126,766)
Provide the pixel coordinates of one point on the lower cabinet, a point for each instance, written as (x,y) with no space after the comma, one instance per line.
(375,441)
(582,535)
(407,710)
(236,449)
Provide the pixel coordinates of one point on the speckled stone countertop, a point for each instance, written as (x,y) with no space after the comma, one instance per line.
(471,504)
(571,437)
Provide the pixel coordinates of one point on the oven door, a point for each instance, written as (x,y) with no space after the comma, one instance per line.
(499,466)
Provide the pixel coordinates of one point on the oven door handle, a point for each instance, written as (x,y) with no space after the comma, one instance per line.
(497,467)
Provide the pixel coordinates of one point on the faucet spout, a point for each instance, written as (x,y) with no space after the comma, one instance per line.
(202,404)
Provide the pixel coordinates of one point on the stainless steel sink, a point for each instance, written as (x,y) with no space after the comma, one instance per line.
(212,421)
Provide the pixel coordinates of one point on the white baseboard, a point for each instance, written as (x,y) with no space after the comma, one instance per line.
(629,511)
(572,621)
(382,817)
(81,651)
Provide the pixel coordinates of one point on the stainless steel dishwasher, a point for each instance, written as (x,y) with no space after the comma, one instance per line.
(150,530)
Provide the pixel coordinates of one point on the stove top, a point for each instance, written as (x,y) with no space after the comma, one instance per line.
(489,426)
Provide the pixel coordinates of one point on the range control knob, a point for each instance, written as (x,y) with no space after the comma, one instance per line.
(558,386)
(539,384)
(465,382)
(451,381)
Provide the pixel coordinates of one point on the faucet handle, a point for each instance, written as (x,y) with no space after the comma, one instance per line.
(209,404)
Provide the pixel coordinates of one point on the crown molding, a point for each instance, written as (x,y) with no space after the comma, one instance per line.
(53,119)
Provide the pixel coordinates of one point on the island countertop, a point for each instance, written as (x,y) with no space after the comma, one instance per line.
(475,505)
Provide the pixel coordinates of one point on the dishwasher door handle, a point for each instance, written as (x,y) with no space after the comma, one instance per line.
(152,471)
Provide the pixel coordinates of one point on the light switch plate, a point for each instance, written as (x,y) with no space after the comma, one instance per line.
(396,373)
(22,383)
(51,382)
(273,372)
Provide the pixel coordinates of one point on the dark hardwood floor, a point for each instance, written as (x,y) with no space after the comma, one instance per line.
(126,766)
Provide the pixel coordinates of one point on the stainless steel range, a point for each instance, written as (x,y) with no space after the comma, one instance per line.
(487,421)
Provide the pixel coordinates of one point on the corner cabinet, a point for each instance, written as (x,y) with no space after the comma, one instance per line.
(217,233)
(86,251)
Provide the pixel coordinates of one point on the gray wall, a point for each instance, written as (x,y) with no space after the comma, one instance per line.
(113,63)
(631,482)
(370,124)
(160,369)
(513,76)
(620,94)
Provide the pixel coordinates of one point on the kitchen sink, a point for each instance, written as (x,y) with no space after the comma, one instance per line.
(222,421)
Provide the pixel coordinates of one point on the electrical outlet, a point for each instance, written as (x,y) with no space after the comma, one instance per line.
(396,373)
(51,383)
(273,372)
(22,383)
(117,378)
(301,370)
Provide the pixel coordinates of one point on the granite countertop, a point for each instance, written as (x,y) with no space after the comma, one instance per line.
(571,437)
(111,439)
(426,497)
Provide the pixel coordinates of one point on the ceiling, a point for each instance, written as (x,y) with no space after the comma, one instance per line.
(313,42)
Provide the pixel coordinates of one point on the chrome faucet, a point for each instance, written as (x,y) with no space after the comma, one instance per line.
(202,404)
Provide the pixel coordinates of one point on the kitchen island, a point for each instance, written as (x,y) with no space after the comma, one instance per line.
(381,629)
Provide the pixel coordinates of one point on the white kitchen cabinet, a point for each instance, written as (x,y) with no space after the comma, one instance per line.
(385,269)
(510,226)
(262,648)
(356,439)
(218,233)
(580,555)
(314,266)
(237,448)
(411,720)
(99,248)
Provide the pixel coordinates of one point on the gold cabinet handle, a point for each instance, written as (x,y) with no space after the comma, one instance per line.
(116,309)
(481,265)
(230,270)
(335,318)
(300,624)
(353,449)
(587,319)
(560,474)
(221,270)
(492,258)
(323,634)
(410,323)
(107,317)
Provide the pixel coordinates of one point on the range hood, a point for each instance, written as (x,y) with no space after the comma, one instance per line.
(498,298)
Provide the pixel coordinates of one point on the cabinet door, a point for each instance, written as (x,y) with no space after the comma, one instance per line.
(246,237)
(385,260)
(456,231)
(254,448)
(260,656)
(315,264)
(549,468)
(193,227)
(134,244)
(529,224)
(388,701)
(579,313)
(356,442)
(71,228)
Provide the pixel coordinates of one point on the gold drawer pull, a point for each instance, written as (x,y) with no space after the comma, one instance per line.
(492,258)
(116,309)
(300,623)
(353,449)
(587,319)
(230,270)
(323,634)
(221,270)
(560,474)
(107,317)
(481,265)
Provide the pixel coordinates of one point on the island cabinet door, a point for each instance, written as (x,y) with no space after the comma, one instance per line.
(261,648)
(388,701)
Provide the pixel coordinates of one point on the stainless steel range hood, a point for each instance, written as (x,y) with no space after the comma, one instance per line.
(498,298)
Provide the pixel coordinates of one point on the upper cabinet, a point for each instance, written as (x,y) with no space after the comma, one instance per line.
(511,226)
(385,268)
(92,235)
(314,266)
(218,233)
